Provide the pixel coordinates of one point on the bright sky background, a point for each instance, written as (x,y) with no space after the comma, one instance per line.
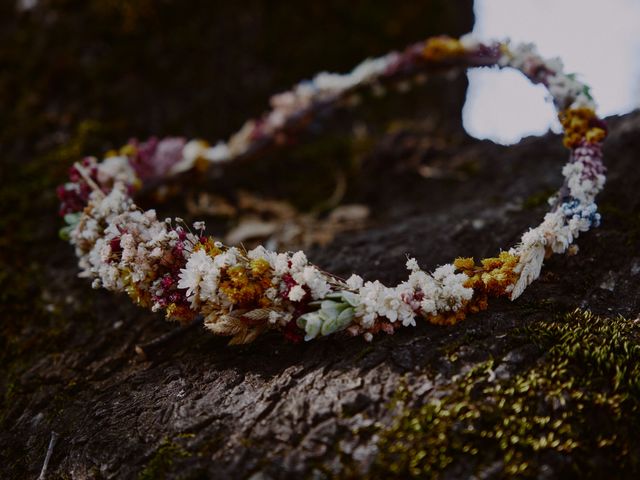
(599,39)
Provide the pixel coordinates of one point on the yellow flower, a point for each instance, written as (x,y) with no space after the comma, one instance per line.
(245,286)
(182,313)
(437,49)
(128,150)
(209,246)
(491,278)
(259,266)
(464,264)
(595,134)
(578,124)
(139,296)
(449,318)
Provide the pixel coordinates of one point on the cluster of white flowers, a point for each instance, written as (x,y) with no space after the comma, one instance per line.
(116,169)
(195,150)
(113,222)
(334,84)
(201,275)
(306,275)
(375,300)
(522,56)
(292,274)
(568,92)
(324,87)
(443,291)
(582,185)
(296,266)
(470,42)
(422,294)
(556,233)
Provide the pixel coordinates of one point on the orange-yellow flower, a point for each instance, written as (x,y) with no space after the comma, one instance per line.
(580,124)
(437,49)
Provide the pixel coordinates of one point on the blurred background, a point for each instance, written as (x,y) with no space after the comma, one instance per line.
(197,68)
(81,77)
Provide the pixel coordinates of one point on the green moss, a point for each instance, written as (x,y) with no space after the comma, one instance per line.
(451,349)
(163,460)
(576,409)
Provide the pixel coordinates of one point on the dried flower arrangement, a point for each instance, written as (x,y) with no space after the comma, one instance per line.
(166,266)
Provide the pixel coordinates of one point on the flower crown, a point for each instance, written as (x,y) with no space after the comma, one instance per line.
(166,266)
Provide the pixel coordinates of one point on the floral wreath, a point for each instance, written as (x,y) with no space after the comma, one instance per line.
(166,266)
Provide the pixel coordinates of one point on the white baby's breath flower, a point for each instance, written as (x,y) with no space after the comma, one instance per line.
(355,281)
(281,318)
(219,153)
(412,264)
(273,316)
(128,245)
(191,277)
(191,152)
(280,264)
(116,169)
(298,261)
(469,41)
(314,280)
(296,293)
(376,300)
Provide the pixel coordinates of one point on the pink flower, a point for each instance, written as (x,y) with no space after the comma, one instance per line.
(154,158)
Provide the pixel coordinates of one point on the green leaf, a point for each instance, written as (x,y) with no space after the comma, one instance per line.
(64,232)
(344,296)
(335,324)
(335,314)
(351,298)
(345,318)
(310,323)
(329,326)
(330,310)
(72,218)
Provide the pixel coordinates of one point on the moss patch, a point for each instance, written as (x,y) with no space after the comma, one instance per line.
(574,412)
(163,460)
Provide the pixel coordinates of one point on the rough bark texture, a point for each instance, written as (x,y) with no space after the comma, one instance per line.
(197,408)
